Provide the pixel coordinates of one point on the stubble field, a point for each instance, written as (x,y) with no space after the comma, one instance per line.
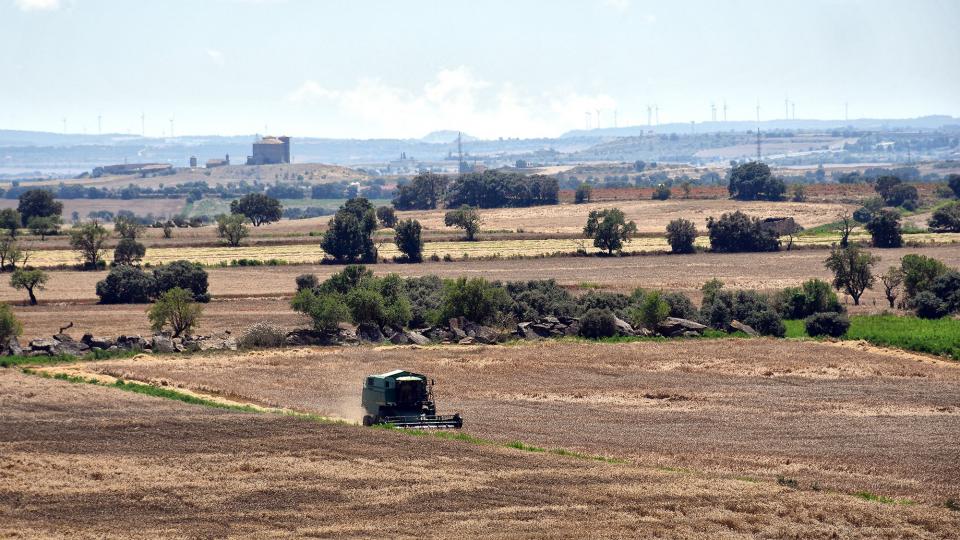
(831,417)
(85,461)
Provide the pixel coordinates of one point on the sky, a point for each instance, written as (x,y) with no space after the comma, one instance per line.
(491,68)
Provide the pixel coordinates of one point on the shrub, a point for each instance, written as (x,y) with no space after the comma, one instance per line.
(466,218)
(919,272)
(409,240)
(929,306)
(232,228)
(583,194)
(748,307)
(184,274)
(813,296)
(175,308)
(753,181)
(474,299)
(681,234)
(88,240)
(660,193)
(737,232)
(44,226)
(614,302)
(10,221)
(38,202)
(827,324)
(348,238)
(306,282)
(885,229)
(863,214)
(597,323)
(126,285)
(426,298)
(366,306)
(767,322)
(262,334)
(540,298)
(326,310)
(852,270)
(609,229)
(953,181)
(30,280)
(128,251)
(387,216)
(652,310)
(680,306)
(258,208)
(946,218)
(10,327)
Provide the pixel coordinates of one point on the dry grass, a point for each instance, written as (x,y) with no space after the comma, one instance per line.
(650,216)
(842,418)
(167,469)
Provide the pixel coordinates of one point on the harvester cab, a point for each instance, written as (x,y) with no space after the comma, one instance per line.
(403,399)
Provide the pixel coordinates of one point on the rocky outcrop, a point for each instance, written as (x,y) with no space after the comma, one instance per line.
(737,326)
(549,327)
(675,327)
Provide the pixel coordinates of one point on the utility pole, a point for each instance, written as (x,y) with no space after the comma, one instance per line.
(460,167)
(759,152)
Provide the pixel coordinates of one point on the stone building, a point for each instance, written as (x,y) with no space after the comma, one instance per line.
(270,150)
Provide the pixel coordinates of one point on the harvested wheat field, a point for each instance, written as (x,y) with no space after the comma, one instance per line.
(84,461)
(687,273)
(650,216)
(831,417)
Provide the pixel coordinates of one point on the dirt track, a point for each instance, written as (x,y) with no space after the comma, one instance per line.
(839,417)
(84,461)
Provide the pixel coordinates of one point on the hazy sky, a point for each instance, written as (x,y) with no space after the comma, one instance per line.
(511,68)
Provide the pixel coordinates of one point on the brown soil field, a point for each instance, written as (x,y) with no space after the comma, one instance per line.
(839,418)
(765,271)
(650,216)
(85,461)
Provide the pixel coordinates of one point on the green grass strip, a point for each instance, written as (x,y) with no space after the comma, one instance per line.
(939,337)
(19,360)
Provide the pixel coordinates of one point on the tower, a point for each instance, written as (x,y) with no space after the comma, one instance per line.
(713,112)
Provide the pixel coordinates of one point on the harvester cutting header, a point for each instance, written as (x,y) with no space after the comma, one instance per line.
(403,399)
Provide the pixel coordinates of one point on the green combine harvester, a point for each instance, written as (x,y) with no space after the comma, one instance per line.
(403,399)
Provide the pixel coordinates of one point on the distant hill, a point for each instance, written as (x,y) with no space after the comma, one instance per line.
(445,136)
(862,124)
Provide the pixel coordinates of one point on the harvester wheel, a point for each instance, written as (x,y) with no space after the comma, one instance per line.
(367,420)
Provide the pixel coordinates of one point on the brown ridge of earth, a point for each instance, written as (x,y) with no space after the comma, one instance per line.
(84,461)
(837,417)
